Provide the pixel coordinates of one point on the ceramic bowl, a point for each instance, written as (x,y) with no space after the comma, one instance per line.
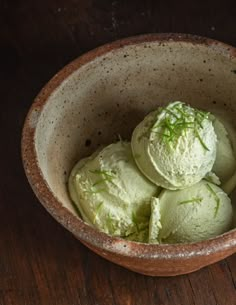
(107,92)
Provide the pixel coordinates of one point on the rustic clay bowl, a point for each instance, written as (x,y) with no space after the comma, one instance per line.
(106,92)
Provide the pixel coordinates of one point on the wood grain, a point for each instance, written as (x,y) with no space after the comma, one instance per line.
(40,262)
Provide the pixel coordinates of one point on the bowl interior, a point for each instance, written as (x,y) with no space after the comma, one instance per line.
(110,94)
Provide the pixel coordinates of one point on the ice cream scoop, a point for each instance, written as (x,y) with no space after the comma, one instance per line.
(112,194)
(193,214)
(225,163)
(175,146)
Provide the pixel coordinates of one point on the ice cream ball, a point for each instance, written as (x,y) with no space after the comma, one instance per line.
(193,214)
(111,193)
(175,145)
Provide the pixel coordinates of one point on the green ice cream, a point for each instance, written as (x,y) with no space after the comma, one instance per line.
(175,146)
(225,163)
(112,194)
(187,152)
(197,213)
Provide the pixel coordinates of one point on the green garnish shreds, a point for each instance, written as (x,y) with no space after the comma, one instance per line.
(200,140)
(110,223)
(97,211)
(217,199)
(172,113)
(102,172)
(174,124)
(105,176)
(193,200)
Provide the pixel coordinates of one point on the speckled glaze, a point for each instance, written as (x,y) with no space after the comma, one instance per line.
(106,92)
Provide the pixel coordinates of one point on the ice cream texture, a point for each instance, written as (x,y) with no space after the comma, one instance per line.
(176,146)
(225,163)
(194,214)
(169,185)
(112,194)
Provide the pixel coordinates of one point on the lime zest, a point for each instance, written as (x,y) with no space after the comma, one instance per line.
(98,209)
(193,200)
(102,181)
(99,182)
(173,125)
(110,223)
(171,113)
(204,114)
(106,177)
(180,111)
(200,140)
(102,172)
(163,134)
(217,199)
(199,122)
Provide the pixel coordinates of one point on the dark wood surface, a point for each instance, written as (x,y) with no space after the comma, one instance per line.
(40,262)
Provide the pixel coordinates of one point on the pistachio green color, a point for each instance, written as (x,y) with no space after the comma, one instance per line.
(193,214)
(176,145)
(112,194)
(225,163)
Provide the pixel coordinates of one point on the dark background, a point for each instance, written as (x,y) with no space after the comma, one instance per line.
(40,262)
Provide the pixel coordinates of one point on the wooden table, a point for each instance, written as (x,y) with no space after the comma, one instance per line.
(40,262)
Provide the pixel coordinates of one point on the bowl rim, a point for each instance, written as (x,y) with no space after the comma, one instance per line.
(84,232)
